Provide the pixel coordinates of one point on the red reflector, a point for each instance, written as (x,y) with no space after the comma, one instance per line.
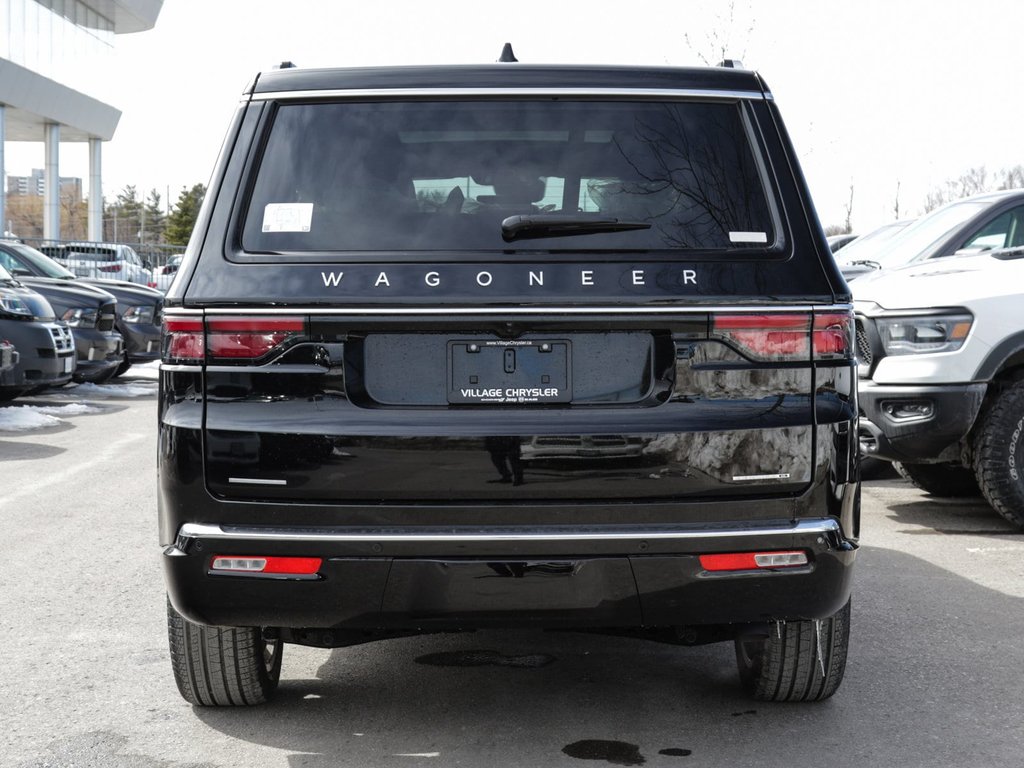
(766,337)
(833,335)
(752,561)
(287,566)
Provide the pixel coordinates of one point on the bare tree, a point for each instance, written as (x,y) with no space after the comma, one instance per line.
(971,182)
(849,212)
(718,41)
(896,204)
(1011,178)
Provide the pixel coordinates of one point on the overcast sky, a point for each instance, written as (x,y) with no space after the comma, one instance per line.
(874,92)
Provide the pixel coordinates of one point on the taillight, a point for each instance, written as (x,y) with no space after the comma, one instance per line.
(771,338)
(111,268)
(250,337)
(234,339)
(833,336)
(183,339)
(789,336)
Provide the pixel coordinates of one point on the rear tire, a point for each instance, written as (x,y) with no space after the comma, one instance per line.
(222,666)
(999,455)
(796,660)
(940,479)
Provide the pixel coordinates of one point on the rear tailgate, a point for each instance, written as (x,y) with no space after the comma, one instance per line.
(670,406)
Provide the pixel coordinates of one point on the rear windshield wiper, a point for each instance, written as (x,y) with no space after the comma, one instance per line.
(533,225)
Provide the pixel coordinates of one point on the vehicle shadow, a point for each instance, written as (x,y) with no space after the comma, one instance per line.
(952,517)
(22,451)
(929,651)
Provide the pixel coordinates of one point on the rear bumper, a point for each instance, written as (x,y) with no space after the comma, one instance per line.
(951,412)
(441,579)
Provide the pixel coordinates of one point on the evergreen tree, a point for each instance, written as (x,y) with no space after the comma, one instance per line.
(156,222)
(183,216)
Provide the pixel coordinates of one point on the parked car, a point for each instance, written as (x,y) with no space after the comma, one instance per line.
(89,311)
(838,242)
(941,363)
(138,308)
(165,274)
(939,233)
(406,274)
(46,350)
(104,261)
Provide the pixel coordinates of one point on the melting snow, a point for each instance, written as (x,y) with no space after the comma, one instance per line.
(24,418)
(89,390)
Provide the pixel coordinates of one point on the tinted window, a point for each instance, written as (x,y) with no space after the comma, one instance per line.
(443,176)
(1004,231)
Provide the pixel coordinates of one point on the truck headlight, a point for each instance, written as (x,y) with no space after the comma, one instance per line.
(81,318)
(923,335)
(12,305)
(138,315)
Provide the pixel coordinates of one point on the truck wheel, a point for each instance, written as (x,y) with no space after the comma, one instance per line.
(795,660)
(222,666)
(999,455)
(939,479)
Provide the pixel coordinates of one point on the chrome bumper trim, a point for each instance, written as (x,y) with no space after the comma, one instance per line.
(824,527)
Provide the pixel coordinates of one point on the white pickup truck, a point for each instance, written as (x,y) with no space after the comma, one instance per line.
(941,364)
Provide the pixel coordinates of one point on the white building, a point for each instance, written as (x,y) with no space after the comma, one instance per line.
(52,52)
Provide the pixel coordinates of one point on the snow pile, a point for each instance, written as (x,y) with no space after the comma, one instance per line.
(149,371)
(71,409)
(24,418)
(89,390)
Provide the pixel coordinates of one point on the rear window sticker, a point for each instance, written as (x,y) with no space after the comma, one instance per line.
(287,217)
(746,237)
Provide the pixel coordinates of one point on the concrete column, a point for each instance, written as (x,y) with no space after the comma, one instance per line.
(3,175)
(95,190)
(51,182)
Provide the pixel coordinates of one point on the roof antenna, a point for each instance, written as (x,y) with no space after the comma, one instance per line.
(506,54)
(731,63)
(284,65)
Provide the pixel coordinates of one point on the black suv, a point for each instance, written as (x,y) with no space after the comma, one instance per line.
(507,346)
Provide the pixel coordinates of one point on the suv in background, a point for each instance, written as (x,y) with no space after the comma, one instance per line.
(104,261)
(941,360)
(406,281)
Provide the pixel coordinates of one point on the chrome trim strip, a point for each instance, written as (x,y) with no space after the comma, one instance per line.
(520,310)
(181,311)
(589,93)
(256,481)
(206,531)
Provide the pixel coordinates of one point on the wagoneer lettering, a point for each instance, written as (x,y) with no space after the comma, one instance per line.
(553,352)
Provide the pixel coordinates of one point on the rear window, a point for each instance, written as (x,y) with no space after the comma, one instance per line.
(91,254)
(444,176)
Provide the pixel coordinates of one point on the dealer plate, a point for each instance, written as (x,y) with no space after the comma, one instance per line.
(519,372)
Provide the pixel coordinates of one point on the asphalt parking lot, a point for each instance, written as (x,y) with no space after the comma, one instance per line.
(935,675)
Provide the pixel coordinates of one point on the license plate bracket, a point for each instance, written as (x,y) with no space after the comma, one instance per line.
(517,372)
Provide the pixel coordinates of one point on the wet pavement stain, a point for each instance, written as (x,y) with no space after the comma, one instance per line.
(478,658)
(675,752)
(614,752)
